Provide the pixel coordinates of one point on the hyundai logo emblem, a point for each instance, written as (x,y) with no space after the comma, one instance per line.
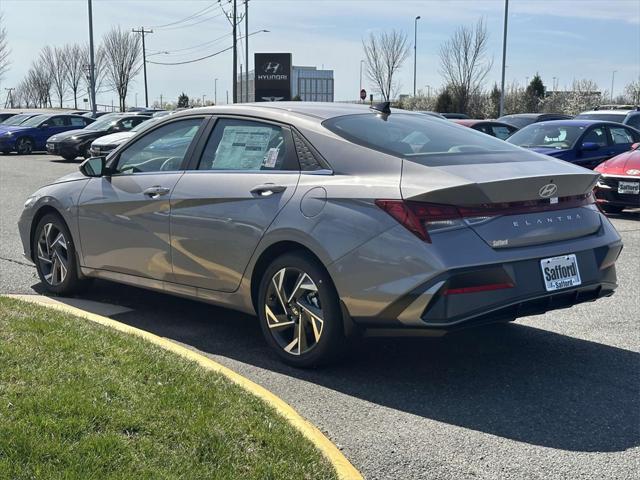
(549,190)
(271,67)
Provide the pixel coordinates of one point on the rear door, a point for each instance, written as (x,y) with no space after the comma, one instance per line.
(50,127)
(124,218)
(247,171)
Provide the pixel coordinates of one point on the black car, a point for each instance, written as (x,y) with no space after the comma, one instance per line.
(455,116)
(97,115)
(521,120)
(77,143)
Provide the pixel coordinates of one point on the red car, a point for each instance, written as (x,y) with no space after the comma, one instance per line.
(494,128)
(619,185)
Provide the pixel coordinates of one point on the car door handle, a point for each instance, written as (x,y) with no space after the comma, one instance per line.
(267,189)
(156,191)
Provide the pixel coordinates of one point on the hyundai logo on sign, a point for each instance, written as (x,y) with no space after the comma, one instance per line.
(549,190)
(273,76)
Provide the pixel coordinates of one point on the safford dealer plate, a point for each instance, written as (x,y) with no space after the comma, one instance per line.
(632,188)
(560,272)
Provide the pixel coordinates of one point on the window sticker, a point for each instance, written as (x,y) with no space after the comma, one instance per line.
(271,158)
(242,147)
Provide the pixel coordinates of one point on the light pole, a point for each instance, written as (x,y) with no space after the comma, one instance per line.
(203,95)
(613,76)
(415,52)
(136,99)
(215,91)
(504,55)
(92,80)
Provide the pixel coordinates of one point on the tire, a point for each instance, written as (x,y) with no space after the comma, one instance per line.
(314,305)
(612,208)
(6,152)
(69,158)
(24,146)
(50,251)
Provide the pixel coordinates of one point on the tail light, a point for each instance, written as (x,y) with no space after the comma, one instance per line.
(420,218)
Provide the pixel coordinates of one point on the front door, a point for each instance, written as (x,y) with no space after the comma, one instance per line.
(124,218)
(247,172)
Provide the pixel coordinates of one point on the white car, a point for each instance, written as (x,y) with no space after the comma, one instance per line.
(102,146)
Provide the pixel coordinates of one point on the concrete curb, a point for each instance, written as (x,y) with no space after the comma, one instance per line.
(343,467)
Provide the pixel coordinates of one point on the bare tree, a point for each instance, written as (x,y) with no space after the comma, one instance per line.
(632,92)
(122,60)
(384,55)
(4,49)
(74,59)
(54,61)
(37,84)
(99,61)
(464,63)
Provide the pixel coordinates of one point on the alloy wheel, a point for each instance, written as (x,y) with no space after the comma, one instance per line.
(53,254)
(293,311)
(24,147)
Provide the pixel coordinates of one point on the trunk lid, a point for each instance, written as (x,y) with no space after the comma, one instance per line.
(527,201)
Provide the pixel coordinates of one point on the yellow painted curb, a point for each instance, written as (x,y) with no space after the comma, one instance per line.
(343,467)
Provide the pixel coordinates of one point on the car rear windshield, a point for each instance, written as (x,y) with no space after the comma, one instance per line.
(547,135)
(605,117)
(103,123)
(412,136)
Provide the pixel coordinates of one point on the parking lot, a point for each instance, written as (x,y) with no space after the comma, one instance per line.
(551,396)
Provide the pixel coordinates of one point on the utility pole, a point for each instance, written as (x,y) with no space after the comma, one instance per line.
(613,76)
(227,97)
(160,101)
(92,66)
(415,52)
(234,24)
(215,91)
(361,62)
(241,99)
(203,95)
(246,48)
(142,31)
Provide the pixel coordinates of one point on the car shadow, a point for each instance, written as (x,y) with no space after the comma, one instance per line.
(513,381)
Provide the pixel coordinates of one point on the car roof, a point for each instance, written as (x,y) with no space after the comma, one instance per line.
(610,112)
(319,111)
(578,123)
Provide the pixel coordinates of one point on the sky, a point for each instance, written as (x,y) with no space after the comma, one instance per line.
(566,39)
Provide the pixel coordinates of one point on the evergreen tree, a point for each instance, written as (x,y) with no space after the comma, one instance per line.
(534,93)
(444,102)
(183,100)
(494,98)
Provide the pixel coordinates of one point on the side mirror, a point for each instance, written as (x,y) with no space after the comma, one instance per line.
(590,146)
(635,146)
(94,167)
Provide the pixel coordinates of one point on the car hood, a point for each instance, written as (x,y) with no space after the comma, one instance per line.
(70,177)
(79,133)
(114,138)
(14,128)
(554,152)
(627,163)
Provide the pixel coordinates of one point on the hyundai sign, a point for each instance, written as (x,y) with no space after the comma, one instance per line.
(273,77)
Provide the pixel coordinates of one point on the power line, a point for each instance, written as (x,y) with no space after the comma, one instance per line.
(195,47)
(206,56)
(190,17)
(202,20)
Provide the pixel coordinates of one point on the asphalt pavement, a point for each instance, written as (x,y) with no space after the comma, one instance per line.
(553,396)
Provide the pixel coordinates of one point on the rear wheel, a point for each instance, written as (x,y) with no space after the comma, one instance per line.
(299,312)
(55,256)
(24,146)
(612,208)
(69,158)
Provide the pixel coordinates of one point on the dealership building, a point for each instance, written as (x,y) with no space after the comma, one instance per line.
(309,83)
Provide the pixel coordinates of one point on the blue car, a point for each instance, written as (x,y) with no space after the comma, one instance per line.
(584,142)
(32,134)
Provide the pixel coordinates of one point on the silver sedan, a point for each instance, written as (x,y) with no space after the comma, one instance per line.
(328,221)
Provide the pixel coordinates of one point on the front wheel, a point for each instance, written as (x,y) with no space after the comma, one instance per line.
(55,256)
(299,312)
(24,146)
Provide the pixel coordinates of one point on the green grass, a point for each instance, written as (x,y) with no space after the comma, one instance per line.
(80,401)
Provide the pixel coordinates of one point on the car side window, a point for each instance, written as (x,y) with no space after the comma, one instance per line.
(634,121)
(161,150)
(596,135)
(56,122)
(78,122)
(126,124)
(501,132)
(620,135)
(248,145)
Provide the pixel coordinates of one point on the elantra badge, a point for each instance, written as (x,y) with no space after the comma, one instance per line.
(549,190)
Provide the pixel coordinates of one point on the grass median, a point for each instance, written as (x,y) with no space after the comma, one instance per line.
(78,400)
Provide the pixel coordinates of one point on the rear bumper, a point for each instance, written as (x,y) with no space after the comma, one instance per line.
(399,283)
